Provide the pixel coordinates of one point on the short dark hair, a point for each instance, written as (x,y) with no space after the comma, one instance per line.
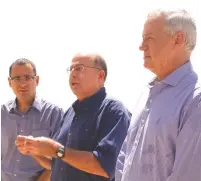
(22,61)
(100,62)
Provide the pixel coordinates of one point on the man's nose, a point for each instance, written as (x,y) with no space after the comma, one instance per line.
(143,47)
(23,84)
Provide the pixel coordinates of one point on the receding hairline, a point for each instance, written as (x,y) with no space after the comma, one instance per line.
(87,56)
(22,62)
(95,58)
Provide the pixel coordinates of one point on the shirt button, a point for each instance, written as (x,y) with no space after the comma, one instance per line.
(147,109)
(18,161)
(135,144)
(15,175)
(137,138)
(21,130)
(62,169)
(141,127)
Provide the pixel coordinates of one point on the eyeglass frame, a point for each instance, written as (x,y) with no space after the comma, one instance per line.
(83,65)
(27,78)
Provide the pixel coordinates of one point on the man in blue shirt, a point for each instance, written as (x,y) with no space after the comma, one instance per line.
(26,115)
(164,142)
(93,131)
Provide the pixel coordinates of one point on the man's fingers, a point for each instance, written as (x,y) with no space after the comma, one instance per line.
(25,146)
(30,139)
(29,145)
(25,150)
(24,139)
(21,138)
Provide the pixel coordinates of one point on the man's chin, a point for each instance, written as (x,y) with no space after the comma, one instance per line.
(24,94)
(24,97)
(147,65)
(75,91)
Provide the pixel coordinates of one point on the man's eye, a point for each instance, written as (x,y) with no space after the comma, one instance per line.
(78,68)
(17,78)
(27,77)
(146,39)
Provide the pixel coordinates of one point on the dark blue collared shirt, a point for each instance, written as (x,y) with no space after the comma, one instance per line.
(42,119)
(97,124)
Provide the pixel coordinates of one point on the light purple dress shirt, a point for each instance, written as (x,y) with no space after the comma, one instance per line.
(42,119)
(164,137)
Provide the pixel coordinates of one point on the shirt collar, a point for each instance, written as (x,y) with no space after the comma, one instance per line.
(91,102)
(153,82)
(12,105)
(36,104)
(176,76)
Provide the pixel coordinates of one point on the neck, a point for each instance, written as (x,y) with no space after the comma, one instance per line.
(23,106)
(88,94)
(171,66)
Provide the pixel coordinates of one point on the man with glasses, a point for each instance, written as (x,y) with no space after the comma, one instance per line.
(93,131)
(26,115)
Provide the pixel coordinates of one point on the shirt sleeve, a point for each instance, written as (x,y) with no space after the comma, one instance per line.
(120,161)
(112,132)
(126,149)
(187,165)
(57,121)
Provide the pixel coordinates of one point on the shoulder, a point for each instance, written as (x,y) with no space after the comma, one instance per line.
(192,105)
(194,97)
(7,106)
(112,105)
(68,112)
(114,116)
(48,105)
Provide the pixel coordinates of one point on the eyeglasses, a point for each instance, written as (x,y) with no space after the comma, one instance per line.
(26,78)
(80,68)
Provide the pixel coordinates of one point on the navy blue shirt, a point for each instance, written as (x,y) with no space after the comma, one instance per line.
(97,124)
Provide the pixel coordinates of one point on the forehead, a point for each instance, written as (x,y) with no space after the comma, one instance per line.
(22,69)
(154,26)
(82,60)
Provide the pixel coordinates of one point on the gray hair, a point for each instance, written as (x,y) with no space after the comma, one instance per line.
(179,20)
(100,62)
(97,60)
(22,61)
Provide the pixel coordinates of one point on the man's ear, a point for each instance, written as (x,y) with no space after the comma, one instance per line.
(180,38)
(9,82)
(102,75)
(37,80)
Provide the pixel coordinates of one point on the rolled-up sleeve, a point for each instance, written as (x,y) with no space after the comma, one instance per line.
(111,135)
(187,165)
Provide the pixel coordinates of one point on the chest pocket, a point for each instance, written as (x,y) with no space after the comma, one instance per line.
(40,125)
(83,132)
(41,132)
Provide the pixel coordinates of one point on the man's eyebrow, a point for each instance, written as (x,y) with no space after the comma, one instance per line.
(75,64)
(146,34)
